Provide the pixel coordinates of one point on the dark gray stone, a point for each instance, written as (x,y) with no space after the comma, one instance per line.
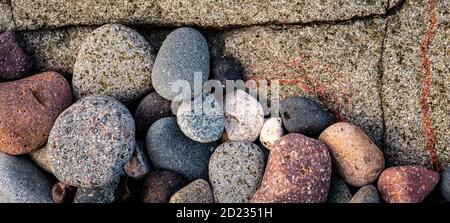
(366,194)
(225,68)
(22,182)
(168,148)
(183,52)
(339,191)
(103,194)
(445,184)
(305,116)
(91,141)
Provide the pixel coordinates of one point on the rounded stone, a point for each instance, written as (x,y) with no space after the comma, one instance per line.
(298,171)
(168,148)
(91,141)
(366,194)
(406,184)
(225,68)
(160,185)
(28,110)
(139,165)
(103,194)
(244,116)
(271,131)
(183,53)
(198,191)
(235,171)
(357,159)
(22,182)
(115,61)
(339,191)
(305,116)
(149,110)
(445,184)
(63,193)
(201,119)
(40,158)
(15,63)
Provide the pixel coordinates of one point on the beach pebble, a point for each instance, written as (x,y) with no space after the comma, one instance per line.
(298,171)
(271,131)
(14,61)
(305,116)
(366,194)
(183,53)
(201,119)
(149,110)
(357,159)
(225,68)
(115,61)
(235,171)
(91,141)
(139,165)
(63,193)
(198,191)
(168,148)
(160,185)
(28,110)
(22,182)
(445,184)
(40,158)
(339,191)
(244,116)
(406,184)
(102,194)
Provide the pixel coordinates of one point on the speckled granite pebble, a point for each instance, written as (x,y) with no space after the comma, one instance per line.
(271,131)
(14,61)
(63,193)
(366,194)
(40,158)
(28,110)
(115,61)
(357,159)
(149,110)
(139,165)
(201,119)
(235,171)
(168,148)
(445,184)
(91,141)
(103,194)
(160,185)
(244,116)
(198,191)
(406,184)
(298,171)
(22,182)
(184,52)
(305,116)
(339,191)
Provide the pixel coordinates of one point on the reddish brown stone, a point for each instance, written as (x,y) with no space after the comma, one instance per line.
(28,110)
(406,184)
(151,108)
(14,61)
(160,185)
(298,171)
(63,193)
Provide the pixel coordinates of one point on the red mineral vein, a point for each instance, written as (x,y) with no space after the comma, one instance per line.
(426,85)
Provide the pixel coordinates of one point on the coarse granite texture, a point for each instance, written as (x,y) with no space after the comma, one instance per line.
(335,64)
(6,17)
(40,158)
(91,141)
(103,194)
(53,13)
(415,133)
(116,61)
(197,191)
(235,171)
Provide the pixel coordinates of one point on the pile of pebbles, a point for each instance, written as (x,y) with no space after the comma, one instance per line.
(81,142)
